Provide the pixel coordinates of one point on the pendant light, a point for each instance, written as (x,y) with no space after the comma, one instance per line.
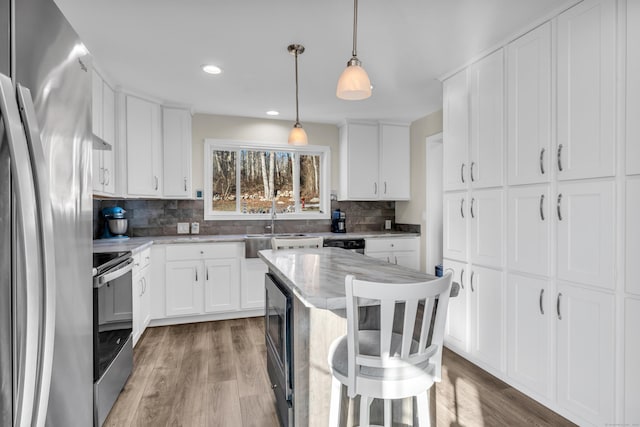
(354,83)
(297,136)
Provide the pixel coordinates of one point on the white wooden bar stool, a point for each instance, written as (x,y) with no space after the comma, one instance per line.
(384,364)
(296,242)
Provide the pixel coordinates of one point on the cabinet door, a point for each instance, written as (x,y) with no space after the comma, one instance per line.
(586,90)
(530,324)
(96,103)
(487,121)
(633,88)
(455,132)
(456,329)
(486,213)
(183,287)
(222,284)
(145,301)
(632,281)
(252,289)
(395,162)
(176,142)
(586,228)
(487,308)
(384,256)
(631,365)
(359,143)
(143,147)
(108,134)
(136,317)
(454,227)
(529,112)
(586,362)
(529,228)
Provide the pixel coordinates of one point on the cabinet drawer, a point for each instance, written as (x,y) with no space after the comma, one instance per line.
(202,251)
(144,258)
(395,244)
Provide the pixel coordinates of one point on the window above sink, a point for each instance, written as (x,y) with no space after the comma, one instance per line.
(242,179)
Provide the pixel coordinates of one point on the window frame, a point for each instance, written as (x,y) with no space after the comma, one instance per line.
(211,145)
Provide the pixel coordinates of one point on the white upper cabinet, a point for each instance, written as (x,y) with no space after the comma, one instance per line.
(144,148)
(529,229)
(585,214)
(103,126)
(455,132)
(529,112)
(586,90)
(375,161)
(395,161)
(176,144)
(632,281)
(633,87)
(96,103)
(486,217)
(486,78)
(454,217)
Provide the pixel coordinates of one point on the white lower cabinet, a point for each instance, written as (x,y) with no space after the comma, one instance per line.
(183,288)
(221,284)
(631,358)
(404,251)
(252,289)
(457,329)
(586,356)
(530,326)
(486,316)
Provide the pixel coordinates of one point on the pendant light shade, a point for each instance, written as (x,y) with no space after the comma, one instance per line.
(354,83)
(297,136)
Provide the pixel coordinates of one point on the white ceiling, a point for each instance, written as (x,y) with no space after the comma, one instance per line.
(156,48)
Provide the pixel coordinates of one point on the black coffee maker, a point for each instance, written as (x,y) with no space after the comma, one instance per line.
(338,222)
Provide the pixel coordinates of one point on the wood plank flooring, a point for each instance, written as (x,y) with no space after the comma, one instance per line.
(214,374)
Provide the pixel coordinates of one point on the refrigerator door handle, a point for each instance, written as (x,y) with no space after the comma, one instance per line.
(28,247)
(40,172)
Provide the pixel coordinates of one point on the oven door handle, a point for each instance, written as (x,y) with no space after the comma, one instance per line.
(101,280)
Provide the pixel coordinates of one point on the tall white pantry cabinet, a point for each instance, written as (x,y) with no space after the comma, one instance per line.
(541,207)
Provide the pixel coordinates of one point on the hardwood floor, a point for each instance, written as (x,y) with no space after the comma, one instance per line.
(214,374)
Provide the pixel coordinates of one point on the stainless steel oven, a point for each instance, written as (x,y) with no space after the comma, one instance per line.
(278,324)
(112,329)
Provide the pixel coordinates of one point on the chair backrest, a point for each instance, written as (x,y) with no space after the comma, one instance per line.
(435,296)
(296,242)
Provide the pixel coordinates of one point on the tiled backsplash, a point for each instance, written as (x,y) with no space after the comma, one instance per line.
(160,218)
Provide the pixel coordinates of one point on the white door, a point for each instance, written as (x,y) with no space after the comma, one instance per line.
(529,228)
(456,329)
(183,287)
(530,325)
(487,121)
(585,214)
(632,281)
(586,64)
(454,217)
(395,162)
(631,358)
(222,284)
(486,213)
(363,161)
(252,276)
(529,112)
(633,87)
(486,319)
(586,362)
(176,145)
(455,132)
(143,147)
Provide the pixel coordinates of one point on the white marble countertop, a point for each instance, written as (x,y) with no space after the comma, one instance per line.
(316,276)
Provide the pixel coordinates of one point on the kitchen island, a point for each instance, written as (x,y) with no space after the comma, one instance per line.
(315,279)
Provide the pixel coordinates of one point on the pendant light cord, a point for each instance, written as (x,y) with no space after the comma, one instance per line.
(355,28)
(297,116)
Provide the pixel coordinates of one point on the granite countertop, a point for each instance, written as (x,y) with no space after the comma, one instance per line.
(316,276)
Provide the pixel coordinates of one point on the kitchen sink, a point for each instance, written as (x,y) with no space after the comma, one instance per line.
(257,242)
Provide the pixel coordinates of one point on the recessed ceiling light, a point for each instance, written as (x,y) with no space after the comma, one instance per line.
(211,69)
(272,113)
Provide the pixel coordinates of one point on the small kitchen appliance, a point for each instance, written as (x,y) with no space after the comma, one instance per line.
(338,221)
(115,224)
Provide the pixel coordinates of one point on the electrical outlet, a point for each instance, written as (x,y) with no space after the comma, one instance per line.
(387,224)
(183,228)
(195,228)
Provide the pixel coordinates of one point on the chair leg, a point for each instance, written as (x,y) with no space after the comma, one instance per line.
(387,413)
(336,400)
(422,402)
(365,403)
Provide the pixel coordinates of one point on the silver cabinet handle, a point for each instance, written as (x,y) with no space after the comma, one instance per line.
(196,270)
(541,161)
(101,173)
(560,157)
(207,274)
(462,172)
(385,187)
(141,287)
(155,178)
(473,215)
(396,260)
(462,207)
(375,188)
(471,171)
(558,207)
(185,183)
(145,284)
(542,207)
(541,295)
(471,281)
(558,306)
(462,278)
(107,177)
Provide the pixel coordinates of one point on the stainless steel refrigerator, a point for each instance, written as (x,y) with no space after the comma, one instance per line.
(46,375)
